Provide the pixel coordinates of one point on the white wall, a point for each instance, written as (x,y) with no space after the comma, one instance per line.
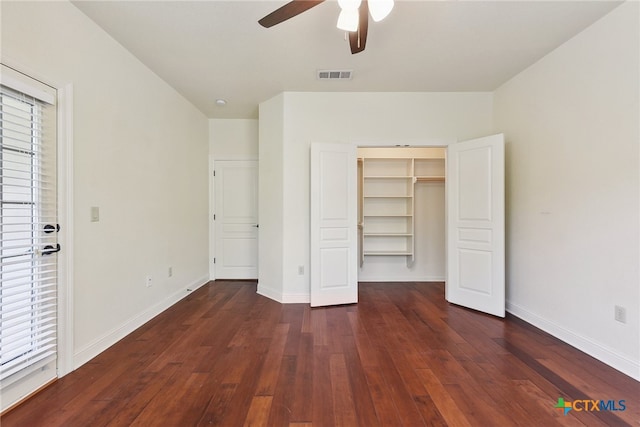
(358,118)
(140,155)
(233,139)
(571,124)
(270,198)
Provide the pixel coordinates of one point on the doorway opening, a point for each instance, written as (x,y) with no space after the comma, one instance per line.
(474,193)
(401,214)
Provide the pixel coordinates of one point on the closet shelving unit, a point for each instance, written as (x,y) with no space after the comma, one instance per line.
(387,206)
(388,222)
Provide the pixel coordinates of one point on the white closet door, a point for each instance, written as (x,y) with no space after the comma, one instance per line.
(334,260)
(475,224)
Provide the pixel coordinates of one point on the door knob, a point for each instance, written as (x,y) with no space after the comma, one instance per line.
(50,228)
(48,250)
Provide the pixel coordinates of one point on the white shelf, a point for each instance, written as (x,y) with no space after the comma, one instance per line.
(388,216)
(388,197)
(387,177)
(387,185)
(388,234)
(387,207)
(388,253)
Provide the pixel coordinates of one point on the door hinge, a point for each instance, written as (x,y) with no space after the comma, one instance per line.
(214,260)
(214,173)
(214,217)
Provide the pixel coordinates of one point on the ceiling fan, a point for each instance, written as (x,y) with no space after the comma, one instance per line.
(353,18)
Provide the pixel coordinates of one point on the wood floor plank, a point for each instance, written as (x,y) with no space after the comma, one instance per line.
(536,403)
(377,390)
(246,380)
(344,411)
(306,321)
(146,387)
(322,394)
(381,396)
(318,319)
(442,399)
(429,411)
(177,404)
(218,405)
(79,401)
(582,382)
(258,415)
(283,395)
(301,406)
(403,356)
(401,397)
(363,404)
(271,368)
(475,408)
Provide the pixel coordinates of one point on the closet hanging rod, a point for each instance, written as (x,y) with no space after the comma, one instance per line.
(430,179)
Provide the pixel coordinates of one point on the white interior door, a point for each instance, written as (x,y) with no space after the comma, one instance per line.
(236,219)
(475,224)
(334,203)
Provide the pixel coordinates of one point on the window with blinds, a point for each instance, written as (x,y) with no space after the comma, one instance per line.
(28,230)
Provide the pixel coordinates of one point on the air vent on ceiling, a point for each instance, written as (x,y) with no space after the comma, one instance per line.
(334,74)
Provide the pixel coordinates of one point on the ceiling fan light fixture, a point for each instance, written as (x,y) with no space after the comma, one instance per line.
(380,9)
(349,4)
(348,20)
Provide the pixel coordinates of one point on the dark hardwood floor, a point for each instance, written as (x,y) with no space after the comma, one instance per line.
(401,357)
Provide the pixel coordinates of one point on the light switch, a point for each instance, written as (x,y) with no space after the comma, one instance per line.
(95,214)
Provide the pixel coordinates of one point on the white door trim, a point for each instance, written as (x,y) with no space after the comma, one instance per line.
(212,227)
(66,361)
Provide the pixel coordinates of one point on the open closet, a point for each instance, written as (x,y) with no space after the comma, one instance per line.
(406,233)
(401,213)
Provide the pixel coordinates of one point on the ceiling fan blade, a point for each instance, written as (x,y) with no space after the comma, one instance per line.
(289,10)
(358,39)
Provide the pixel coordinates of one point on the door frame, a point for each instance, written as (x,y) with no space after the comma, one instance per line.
(64,186)
(435,144)
(212,208)
(438,143)
(66,362)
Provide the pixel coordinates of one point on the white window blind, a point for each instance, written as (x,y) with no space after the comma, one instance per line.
(28,229)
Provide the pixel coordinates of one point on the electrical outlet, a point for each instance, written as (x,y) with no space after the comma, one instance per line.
(170,272)
(148,281)
(620,314)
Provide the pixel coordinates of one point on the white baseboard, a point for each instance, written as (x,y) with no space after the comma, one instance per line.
(269,293)
(378,278)
(305,298)
(283,298)
(599,351)
(102,343)
(296,298)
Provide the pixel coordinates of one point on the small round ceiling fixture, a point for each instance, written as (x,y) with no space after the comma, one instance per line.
(221,102)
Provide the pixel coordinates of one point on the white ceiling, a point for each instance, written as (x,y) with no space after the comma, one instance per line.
(216,49)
